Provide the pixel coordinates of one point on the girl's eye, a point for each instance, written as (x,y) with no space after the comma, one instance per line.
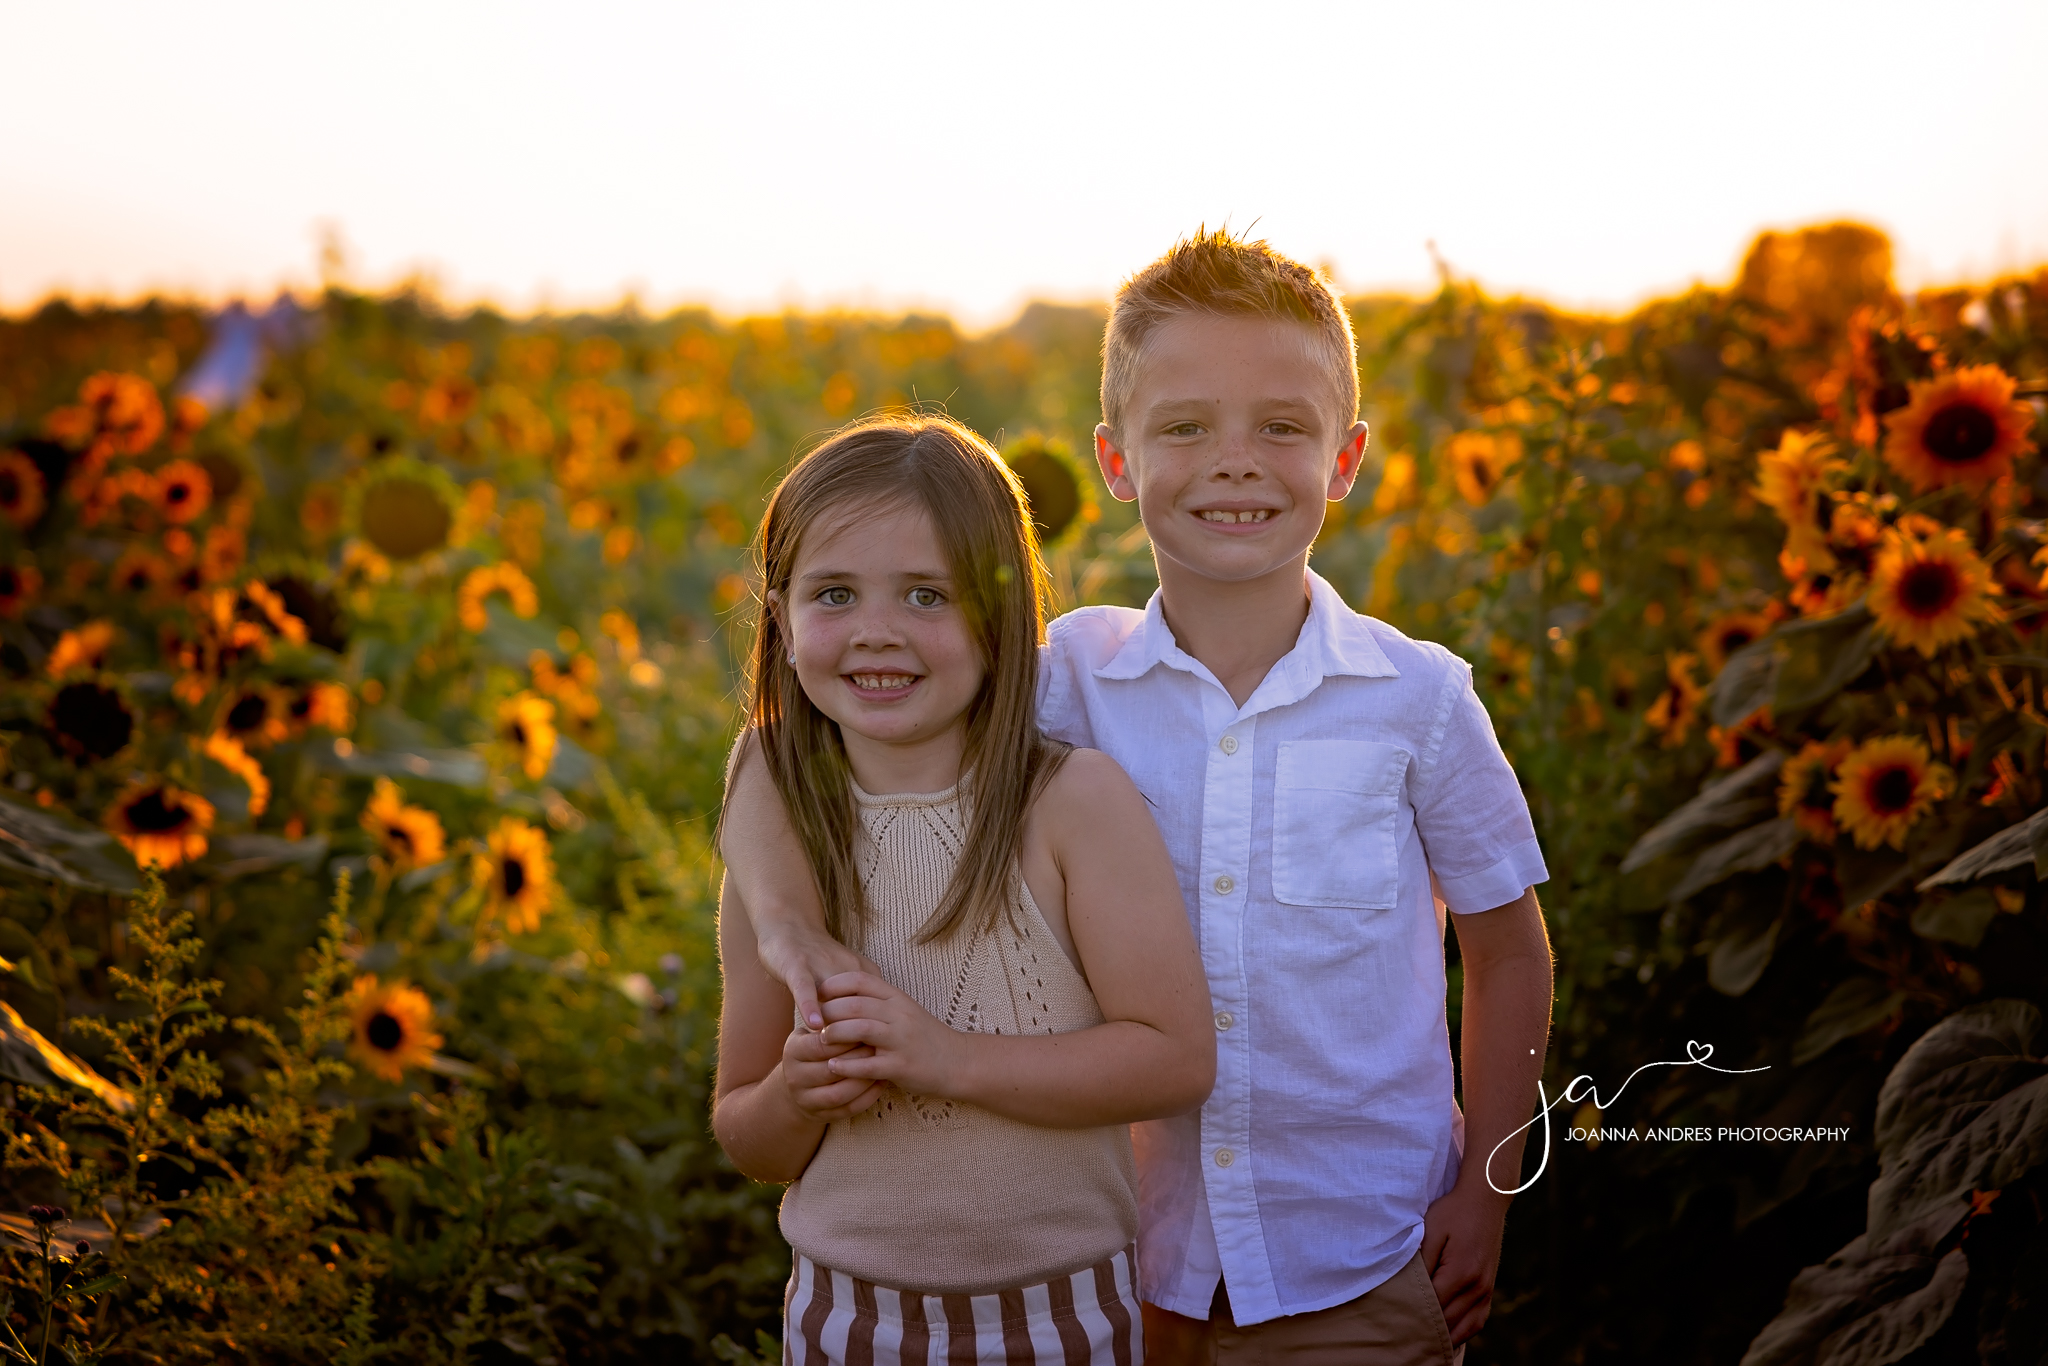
(926,597)
(836,596)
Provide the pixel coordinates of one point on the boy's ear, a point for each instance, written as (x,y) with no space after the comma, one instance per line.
(1349,457)
(1115,465)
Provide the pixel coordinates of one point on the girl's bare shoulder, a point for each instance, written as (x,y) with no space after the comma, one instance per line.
(1091,789)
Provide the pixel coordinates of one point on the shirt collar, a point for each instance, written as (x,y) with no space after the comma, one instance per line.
(1334,641)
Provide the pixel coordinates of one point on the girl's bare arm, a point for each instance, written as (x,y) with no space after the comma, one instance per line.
(775,1092)
(1154,1055)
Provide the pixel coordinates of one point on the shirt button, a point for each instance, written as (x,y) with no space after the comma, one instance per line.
(1229,744)
(1224,1019)
(1224,1157)
(1224,884)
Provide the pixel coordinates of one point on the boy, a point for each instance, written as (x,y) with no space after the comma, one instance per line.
(1326,787)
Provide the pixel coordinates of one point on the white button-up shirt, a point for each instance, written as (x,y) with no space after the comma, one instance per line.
(1307,828)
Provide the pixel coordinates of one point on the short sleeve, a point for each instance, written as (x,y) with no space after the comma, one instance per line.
(1469,809)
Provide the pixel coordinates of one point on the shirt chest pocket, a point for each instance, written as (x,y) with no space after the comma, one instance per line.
(1336,823)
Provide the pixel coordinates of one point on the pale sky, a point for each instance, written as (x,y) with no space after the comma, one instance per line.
(972,157)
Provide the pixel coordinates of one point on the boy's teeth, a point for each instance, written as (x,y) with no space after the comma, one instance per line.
(1258,515)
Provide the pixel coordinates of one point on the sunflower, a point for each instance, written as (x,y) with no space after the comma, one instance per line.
(116,414)
(23,495)
(1054,493)
(393,1027)
(1737,744)
(160,823)
(1791,481)
(257,715)
(183,490)
(90,721)
(409,836)
(19,584)
(517,874)
(1479,463)
(1883,786)
(526,723)
(406,512)
(139,573)
(1803,789)
(228,752)
(1675,709)
(1729,633)
(329,706)
(1930,592)
(84,647)
(487,579)
(1962,428)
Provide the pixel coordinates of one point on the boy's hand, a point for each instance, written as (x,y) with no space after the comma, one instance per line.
(814,1088)
(1461,1249)
(905,1044)
(800,956)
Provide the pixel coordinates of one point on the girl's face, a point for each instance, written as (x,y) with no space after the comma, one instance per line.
(881,645)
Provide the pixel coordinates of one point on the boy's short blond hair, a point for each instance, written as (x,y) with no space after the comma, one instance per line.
(1221,275)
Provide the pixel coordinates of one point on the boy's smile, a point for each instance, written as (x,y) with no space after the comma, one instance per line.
(1232,447)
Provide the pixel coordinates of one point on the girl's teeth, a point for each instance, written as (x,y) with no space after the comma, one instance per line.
(879,682)
(1259,515)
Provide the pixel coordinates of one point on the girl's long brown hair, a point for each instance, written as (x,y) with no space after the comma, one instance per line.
(978,509)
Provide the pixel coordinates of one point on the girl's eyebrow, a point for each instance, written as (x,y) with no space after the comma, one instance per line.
(920,575)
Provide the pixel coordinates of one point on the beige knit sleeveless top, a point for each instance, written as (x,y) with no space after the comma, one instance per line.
(939,1196)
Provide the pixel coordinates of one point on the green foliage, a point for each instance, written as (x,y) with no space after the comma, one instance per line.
(463,595)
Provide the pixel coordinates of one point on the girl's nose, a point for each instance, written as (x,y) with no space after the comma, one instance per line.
(875,630)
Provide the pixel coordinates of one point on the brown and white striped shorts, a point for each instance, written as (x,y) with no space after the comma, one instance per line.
(1090,1318)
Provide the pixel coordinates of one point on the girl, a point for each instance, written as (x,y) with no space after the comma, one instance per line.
(962,1186)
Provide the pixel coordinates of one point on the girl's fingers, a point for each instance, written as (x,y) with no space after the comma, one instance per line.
(853,984)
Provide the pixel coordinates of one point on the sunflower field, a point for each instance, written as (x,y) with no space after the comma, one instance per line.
(367,670)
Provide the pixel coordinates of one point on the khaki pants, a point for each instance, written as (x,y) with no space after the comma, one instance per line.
(1398,1323)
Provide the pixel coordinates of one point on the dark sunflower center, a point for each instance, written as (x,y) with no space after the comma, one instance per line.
(152,815)
(1816,796)
(515,876)
(178,493)
(519,734)
(399,838)
(1735,638)
(1960,434)
(91,720)
(137,579)
(10,582)
(10,488)
(1930,588)
(384,1032)
(248,713)
(1892,791)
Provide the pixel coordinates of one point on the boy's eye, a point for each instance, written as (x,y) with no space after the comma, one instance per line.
(926,597)
(1185,429)
(836,596)
(1283,428)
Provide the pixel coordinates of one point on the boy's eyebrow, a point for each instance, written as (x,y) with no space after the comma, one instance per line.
(1167,407)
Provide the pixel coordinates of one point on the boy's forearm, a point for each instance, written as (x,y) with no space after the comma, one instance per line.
(1115,1073)
(764,858)
(763,1132)
(1505,1030)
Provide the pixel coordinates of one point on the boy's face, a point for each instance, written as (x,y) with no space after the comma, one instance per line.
(1232,444)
